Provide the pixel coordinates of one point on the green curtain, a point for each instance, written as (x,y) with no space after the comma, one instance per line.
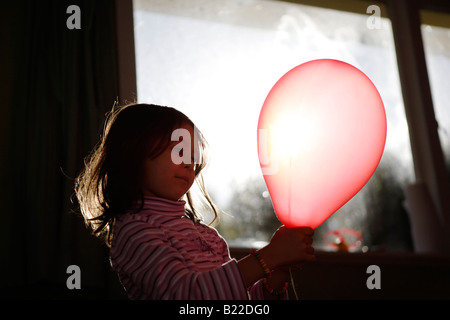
(59,84)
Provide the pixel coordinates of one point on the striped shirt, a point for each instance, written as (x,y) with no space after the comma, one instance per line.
(159,253)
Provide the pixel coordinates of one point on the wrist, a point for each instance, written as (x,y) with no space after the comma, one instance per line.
(275,287)
(270,257)
(275,281)
(262,262)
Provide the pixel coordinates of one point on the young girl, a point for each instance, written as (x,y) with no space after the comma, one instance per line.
(135,193)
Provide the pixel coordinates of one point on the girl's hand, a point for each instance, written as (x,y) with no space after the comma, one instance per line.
(289,247)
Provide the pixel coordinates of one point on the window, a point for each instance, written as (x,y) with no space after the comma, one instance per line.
(217,60)
(436,40)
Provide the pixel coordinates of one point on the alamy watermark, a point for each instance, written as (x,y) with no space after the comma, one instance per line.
(74,20)
(74,280)
(374,280)
(374,21)
(184,152)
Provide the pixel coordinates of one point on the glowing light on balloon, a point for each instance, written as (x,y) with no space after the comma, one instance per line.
(321,135)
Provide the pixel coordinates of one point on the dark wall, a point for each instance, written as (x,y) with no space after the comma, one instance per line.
(56,86)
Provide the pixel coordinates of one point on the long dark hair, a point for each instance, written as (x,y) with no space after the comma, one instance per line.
(110,183)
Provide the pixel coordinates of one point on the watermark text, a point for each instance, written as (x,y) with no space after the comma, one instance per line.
(74,20)
(374,21)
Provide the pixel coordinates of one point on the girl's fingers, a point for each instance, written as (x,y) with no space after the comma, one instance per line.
(309,250)
(308,240)
(305,231)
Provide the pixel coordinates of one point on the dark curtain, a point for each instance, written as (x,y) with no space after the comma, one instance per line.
(57,85)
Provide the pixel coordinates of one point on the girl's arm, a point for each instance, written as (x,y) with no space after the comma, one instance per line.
(288,247)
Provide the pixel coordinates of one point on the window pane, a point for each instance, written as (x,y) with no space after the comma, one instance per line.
(217,60)
(436,42)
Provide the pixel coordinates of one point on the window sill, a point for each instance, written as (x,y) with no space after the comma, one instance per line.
(340,275)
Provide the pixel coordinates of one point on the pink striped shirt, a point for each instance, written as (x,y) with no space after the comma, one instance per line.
(159,253)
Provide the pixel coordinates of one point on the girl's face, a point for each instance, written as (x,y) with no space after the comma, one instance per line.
(163,177)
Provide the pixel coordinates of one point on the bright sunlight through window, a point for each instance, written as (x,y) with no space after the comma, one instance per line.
(217,60)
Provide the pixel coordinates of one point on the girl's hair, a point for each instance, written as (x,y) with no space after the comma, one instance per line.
(110,183)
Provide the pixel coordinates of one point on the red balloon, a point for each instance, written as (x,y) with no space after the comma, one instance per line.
(321,135)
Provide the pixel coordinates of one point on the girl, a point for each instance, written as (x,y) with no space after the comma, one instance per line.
(135,193)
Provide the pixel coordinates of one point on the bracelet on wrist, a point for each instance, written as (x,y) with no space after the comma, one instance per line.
(267,275)
(267,271)
(273,291)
